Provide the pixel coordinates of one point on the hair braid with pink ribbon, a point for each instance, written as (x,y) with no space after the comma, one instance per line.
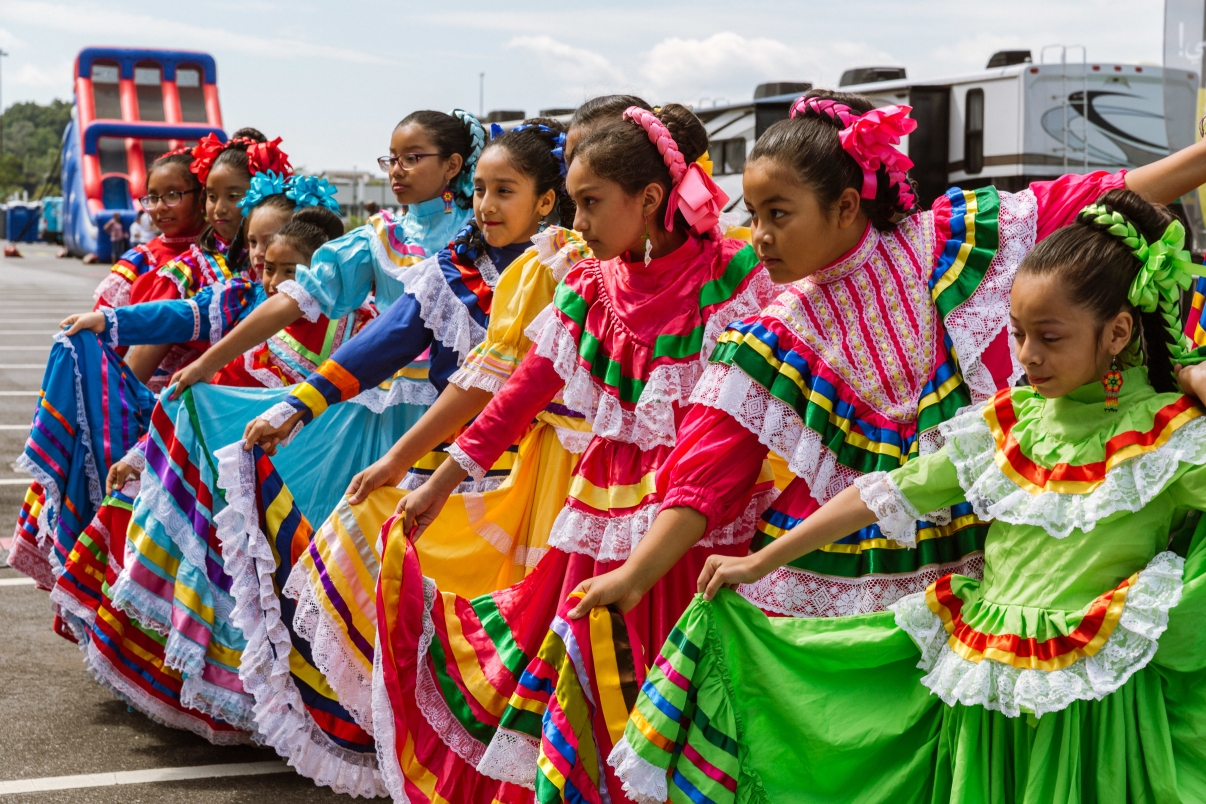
(692,191)
(871,139)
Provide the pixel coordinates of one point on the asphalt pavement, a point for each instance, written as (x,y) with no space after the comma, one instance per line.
(55,722)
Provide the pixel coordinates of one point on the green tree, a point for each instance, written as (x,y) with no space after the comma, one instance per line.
(33,134)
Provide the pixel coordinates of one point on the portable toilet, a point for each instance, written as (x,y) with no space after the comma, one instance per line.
(50,228)
(21,222)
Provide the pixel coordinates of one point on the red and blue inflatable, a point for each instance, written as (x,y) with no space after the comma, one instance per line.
(131,106)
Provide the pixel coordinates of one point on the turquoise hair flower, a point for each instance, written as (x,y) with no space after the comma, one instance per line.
(262,185)
(312,191)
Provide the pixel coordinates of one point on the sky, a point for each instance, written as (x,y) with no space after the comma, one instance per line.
(333,79)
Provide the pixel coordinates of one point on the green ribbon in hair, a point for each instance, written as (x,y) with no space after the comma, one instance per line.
(1167,269)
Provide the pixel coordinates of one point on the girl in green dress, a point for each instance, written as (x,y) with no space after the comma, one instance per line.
(1075,671)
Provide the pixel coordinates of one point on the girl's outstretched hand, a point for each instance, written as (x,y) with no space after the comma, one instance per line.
(720,571)
(420,508)
(119,474)
(190,375)
(603,590)
(269,438)
(1193,380)
(382,472)
(93,322)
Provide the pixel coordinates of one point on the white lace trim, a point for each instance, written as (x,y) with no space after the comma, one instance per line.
(485,266)
(401,392)
(471,466)
(511,757)
(556,259)
(25,559)
(1010,690)
(984,316)
(777,426)
(104,674)
(136,457)
(113,290)
(429,698)
(644,782)
(384,733)
(280,715)
(575,441)
(278,414)
(216,701)
(651,422)
(614,538)
(266,377)
(442,310)
(800,593)
(1129,486)
(111,317)
(309,306)
(468,377)
(216,321)
(413,480)
(897,516)
(330,650)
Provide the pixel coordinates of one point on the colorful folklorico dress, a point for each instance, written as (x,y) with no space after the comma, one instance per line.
(459,685)
(116,289)
(63,497)
(1072,672)
(482,541)
(850,371)
(175,576)
(121,655)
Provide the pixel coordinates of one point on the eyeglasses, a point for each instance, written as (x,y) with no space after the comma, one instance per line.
(407,161)
(167,199)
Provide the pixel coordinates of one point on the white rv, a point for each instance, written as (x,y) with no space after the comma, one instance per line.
(1013,123)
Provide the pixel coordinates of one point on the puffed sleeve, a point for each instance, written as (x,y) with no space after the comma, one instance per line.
(385,345)
(901,497)
(713,466)
(533,386)
(340,275)
(523,291)
(1060,200)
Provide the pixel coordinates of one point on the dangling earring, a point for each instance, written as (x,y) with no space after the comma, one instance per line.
(1113,384)
(544,224)
(648,244)
(447,196)
(1037,395)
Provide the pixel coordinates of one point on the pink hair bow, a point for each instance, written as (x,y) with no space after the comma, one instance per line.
(872,138)
(698,198)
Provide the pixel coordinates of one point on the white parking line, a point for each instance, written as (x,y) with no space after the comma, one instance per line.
(15,481)
(14,426)
(19,393)
(16,582)
(40,348)
(22,365)
(140,777)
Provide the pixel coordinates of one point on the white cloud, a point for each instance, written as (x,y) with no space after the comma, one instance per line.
(105,22)
(30,75)
(729,65)
(571,65)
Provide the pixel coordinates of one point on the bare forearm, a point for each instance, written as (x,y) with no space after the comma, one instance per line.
(672,534)
(145,358)
(841,516)
(265,321)
(455,407)
(1167,179)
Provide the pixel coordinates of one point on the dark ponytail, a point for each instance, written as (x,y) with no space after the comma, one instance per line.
(808,145)
(605,108)
(302,236)
(620,151)
(181,160)
(1097,269)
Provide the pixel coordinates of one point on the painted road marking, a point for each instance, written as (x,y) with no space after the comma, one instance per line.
(14,582)
(19,393)
(140,777)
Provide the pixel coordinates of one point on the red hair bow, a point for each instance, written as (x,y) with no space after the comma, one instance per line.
(204,154)
(265,156)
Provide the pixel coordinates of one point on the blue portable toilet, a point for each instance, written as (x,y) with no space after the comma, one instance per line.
(51,225)
(21,222)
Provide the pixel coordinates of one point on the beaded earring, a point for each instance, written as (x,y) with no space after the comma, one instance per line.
(447,196)
(648,245)
(1113,384)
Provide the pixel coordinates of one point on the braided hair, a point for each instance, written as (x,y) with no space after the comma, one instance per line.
(605,107)
(620,151)
(455,133)
(808,145)
(303,235)
(1097,268)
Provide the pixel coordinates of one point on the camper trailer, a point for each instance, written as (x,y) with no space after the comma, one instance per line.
(1015,122)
